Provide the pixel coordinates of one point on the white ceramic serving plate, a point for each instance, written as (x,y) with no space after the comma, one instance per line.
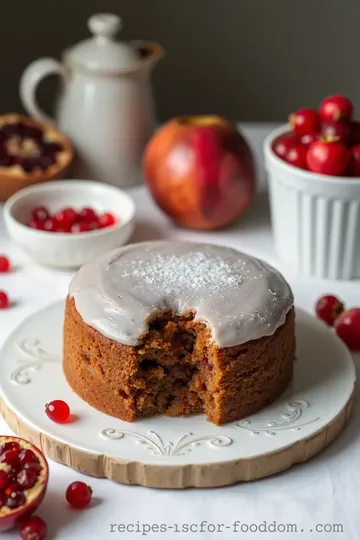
(63,250)
(315,218)
(176,452)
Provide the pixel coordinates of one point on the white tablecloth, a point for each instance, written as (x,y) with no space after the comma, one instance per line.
(322,494)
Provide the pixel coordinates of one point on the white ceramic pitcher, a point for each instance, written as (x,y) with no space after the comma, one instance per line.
(105,103)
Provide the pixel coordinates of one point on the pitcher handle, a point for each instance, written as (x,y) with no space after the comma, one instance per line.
(29,81)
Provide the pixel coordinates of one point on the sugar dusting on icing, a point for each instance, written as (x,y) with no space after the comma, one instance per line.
(240,298)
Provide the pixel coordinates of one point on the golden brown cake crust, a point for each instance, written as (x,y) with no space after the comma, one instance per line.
(176,370)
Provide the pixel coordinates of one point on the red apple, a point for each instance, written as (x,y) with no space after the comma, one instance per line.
(200,171)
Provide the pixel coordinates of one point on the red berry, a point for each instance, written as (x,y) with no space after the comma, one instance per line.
(305,121)
(66,217)
(4,479)
(107,220)
(328,157)
(36,224)
(328,308)
(33,528)
(4,300)
(58,411)
(297,156)
(50,225)
(4,264)
(347,327)
(87,214)
(353,168)
(78,494)
(283,144)
(309,138)
(333,108)
(93,225)
(40,214)
(339,130)
(355,132)
(80,227)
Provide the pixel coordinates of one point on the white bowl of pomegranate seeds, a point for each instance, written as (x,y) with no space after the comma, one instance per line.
(314,179)
(67,223)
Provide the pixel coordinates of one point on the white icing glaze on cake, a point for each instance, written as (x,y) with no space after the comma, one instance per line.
(240,298)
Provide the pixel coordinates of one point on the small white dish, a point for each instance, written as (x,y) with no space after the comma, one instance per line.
(63,250)
(315,217)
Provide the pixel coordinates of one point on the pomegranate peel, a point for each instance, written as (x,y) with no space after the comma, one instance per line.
(19,499)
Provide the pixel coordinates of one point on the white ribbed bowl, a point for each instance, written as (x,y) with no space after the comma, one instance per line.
(315,218)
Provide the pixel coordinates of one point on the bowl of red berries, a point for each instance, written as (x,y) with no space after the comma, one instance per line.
(67,223)
(313,166)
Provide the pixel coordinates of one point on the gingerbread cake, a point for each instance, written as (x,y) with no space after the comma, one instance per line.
(179,328)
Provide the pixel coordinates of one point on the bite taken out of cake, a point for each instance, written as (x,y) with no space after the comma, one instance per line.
(179,328)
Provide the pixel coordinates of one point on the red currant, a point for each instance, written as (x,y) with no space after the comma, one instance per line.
(336,107)
(328,308)
(66,217)
(339,130)
(4,300)
(107,220)
(4,480)
(347,327)
(78,494)
(58,411)
(283,144)
(296,156)
(87,214)
(305,121)
(34,528)
(328,157)
(4,264)
(40,214)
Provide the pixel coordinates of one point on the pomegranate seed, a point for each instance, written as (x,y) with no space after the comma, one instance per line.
(82,226)
(58,411)
(339,130)
(50,225)
(33,528)
(11,445)
(3,498)
(9,457)
(66,217)
(305,121)
(283,144)
(347,327)
(27,478)
(87,214)
(4,264)
(78,494)
(296,156)
(328,157)
(40,214)
(107,220)
(36,224)
(336,107)
(328,308)
(27,456)
(14,486)
(4,300)
(4,479)
(34,467)
(15,499)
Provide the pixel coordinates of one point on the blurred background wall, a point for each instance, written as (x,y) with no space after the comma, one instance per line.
(250,60)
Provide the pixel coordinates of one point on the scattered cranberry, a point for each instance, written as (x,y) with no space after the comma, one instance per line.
(283,144)
(40,214)
(78,494)
(354,163)
(327,157)
(309,138)
(4,264)
(339,130)
(328,308)
(305,121)
(4,300)
(297,156)
(336,107)
(107,220)
(33,528)
(58,411)
(4,479)
(347,327)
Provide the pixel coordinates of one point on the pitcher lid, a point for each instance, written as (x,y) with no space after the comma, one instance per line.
(102,51)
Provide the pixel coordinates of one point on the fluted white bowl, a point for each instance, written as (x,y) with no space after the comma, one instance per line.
(315,218)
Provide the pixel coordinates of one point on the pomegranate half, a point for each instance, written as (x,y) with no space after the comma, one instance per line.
(24,475)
